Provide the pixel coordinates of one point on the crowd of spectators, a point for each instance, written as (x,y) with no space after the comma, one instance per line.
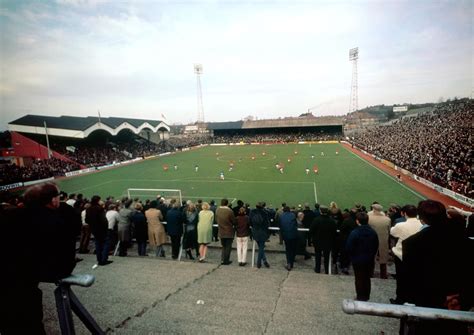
(112,152)
(436,146)
(80,156)
(39,169)
(276,137)
(341,232)
(185,141)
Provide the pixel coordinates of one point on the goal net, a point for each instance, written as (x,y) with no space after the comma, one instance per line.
(152,193)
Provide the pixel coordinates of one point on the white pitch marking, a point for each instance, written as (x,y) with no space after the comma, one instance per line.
(220,181)
(315,193)
(86,188)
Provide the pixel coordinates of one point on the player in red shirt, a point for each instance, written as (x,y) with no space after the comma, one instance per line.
(315,169)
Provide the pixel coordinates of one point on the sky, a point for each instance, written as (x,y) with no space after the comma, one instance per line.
(266,59)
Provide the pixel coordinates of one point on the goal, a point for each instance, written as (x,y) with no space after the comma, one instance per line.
(152,193)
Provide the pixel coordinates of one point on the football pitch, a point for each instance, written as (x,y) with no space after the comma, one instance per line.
(342,177)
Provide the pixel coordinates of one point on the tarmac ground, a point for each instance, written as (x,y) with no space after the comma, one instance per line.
(155,295)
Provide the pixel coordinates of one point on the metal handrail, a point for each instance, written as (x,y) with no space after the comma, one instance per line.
(404,311)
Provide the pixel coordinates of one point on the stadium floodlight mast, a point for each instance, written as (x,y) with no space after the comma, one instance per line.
(200,108)
(354,102)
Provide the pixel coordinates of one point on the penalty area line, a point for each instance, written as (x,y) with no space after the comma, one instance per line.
(315,193)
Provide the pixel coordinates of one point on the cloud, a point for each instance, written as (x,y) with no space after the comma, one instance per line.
(268,59)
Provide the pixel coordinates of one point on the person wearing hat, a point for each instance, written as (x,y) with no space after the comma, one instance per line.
(381,224)
(323,234)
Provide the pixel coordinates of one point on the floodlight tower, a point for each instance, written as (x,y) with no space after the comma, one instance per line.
(354,103)
(200,108)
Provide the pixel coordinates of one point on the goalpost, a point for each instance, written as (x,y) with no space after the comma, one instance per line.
(152,193)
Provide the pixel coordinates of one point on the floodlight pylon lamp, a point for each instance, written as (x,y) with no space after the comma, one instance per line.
(200,107)
(198,68)
(354,54)
(354,100)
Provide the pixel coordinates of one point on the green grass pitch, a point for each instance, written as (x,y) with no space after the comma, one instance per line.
(344,178)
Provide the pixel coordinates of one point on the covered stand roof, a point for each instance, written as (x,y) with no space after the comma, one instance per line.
(81,127)
(278,123)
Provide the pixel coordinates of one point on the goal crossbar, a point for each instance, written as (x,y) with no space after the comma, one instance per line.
(131,192)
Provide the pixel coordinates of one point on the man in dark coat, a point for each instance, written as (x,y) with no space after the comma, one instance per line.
(347,226)
(56,228)
(21,299)
(48,255)
(289,233)
(309,216)
(236,209)
(259,222)
(434,261)
(323,234)
(174,227)
(362,246)
(213,208)
(95,218)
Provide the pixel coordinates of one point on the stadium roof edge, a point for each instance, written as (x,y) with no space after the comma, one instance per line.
(81,127)
(278,123)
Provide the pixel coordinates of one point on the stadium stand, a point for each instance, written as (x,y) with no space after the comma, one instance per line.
(436,146)
(75,143)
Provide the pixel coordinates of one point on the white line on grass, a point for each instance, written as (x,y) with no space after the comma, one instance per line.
(387,175)
(86,188)
(220,181)
(315,193)
(207,197)
(211,179)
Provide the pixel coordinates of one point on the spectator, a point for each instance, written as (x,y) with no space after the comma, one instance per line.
(215,230)
(140,228)
(49,255)
(243,232)
(124,227)
(204,230)
(95,217)
(362,246)
(347,226)
(260,224)
(175,219)
(402,231)
(156,231)
(289,233)
(323,234)
(226,221)
(426,256)
(381,224)
(302,236)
